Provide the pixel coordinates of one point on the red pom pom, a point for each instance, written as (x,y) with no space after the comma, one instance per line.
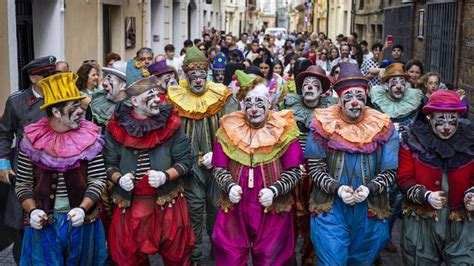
(237,84)
(234,77)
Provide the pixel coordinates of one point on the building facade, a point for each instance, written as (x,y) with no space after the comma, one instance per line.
(340,17)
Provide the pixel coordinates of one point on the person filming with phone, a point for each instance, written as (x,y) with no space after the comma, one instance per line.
(397,53)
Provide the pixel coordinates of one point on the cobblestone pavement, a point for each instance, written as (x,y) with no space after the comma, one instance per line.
(388,259)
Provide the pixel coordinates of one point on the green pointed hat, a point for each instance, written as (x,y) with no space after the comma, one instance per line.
(194,60)
(243,78)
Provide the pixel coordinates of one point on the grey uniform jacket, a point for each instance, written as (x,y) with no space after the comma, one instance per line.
(21,109)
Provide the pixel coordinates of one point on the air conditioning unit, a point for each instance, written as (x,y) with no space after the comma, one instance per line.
(407,1)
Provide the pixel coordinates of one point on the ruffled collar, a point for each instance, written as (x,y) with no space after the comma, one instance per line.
(61,151)
(195,106)
(101,107)
(443,154)
(239,140)
(143,134)
(395,109)
(301,112)
(140,127)
(365,136)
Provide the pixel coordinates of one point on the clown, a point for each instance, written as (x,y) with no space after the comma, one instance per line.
(351,154)
(436,175)
(402,103)
(256,157)
(165,76)
(310,85)
(396,98)
(104,100)
(201,104)
(147,155)
(218,68)
(61,175)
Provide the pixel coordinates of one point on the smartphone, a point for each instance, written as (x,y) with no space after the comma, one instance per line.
(390,38)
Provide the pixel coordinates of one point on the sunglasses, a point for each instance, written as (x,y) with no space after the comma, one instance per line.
(336,72)
(202,49)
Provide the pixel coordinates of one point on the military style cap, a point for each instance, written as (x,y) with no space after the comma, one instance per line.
(42,66)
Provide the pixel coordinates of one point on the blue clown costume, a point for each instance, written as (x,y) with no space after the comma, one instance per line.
(218,66)
(350,153)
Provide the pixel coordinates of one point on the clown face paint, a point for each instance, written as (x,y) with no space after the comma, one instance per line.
(353,102)
(256,109)
(166,80)
(311,91)
(115,87)
(444,124)
(146,104)
(218,75)
(396,88)
(70,115)
(197,80)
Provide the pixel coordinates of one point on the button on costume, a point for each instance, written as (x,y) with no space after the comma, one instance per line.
(60,177)
(256,166)
(436,175)
(351,154)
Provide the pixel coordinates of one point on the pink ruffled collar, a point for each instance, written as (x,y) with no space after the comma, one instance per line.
(68,144)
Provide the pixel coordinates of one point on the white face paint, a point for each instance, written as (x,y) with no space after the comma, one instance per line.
(146,104)
(166,80)
(70,115)
(116,88)
(396,88)
(444,124)
(197,80)
(353,102)
(311,89)
(218,74)
(257,105)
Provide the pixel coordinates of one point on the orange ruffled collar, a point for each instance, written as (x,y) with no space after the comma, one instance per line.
(364,136)
(263,139)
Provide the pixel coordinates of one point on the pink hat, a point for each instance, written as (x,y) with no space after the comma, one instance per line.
(444,100)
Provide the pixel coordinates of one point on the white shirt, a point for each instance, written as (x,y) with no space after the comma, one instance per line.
(175,62)
(279,43)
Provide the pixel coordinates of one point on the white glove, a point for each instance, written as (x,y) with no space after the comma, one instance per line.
(346,193)
(265,196)
(235,194)
(437,199)
(36,218)
(469,201)
(156,178)
(361,194)
(126,181)
(76,216)
(206,160)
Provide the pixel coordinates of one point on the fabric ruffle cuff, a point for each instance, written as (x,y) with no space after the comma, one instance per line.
(364,136)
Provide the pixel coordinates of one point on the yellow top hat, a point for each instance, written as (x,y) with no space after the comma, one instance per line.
(60,88)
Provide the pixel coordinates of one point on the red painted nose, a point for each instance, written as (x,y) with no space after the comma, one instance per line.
(446,130)
(310,87)
(254,111)
(80,113)
(198,81)
(354,104)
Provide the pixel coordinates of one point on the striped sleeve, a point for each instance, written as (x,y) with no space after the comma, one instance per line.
(223,178)
(96,178)
(318,171)
(381,182)
(417,194)
(24,178)
(287,181)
